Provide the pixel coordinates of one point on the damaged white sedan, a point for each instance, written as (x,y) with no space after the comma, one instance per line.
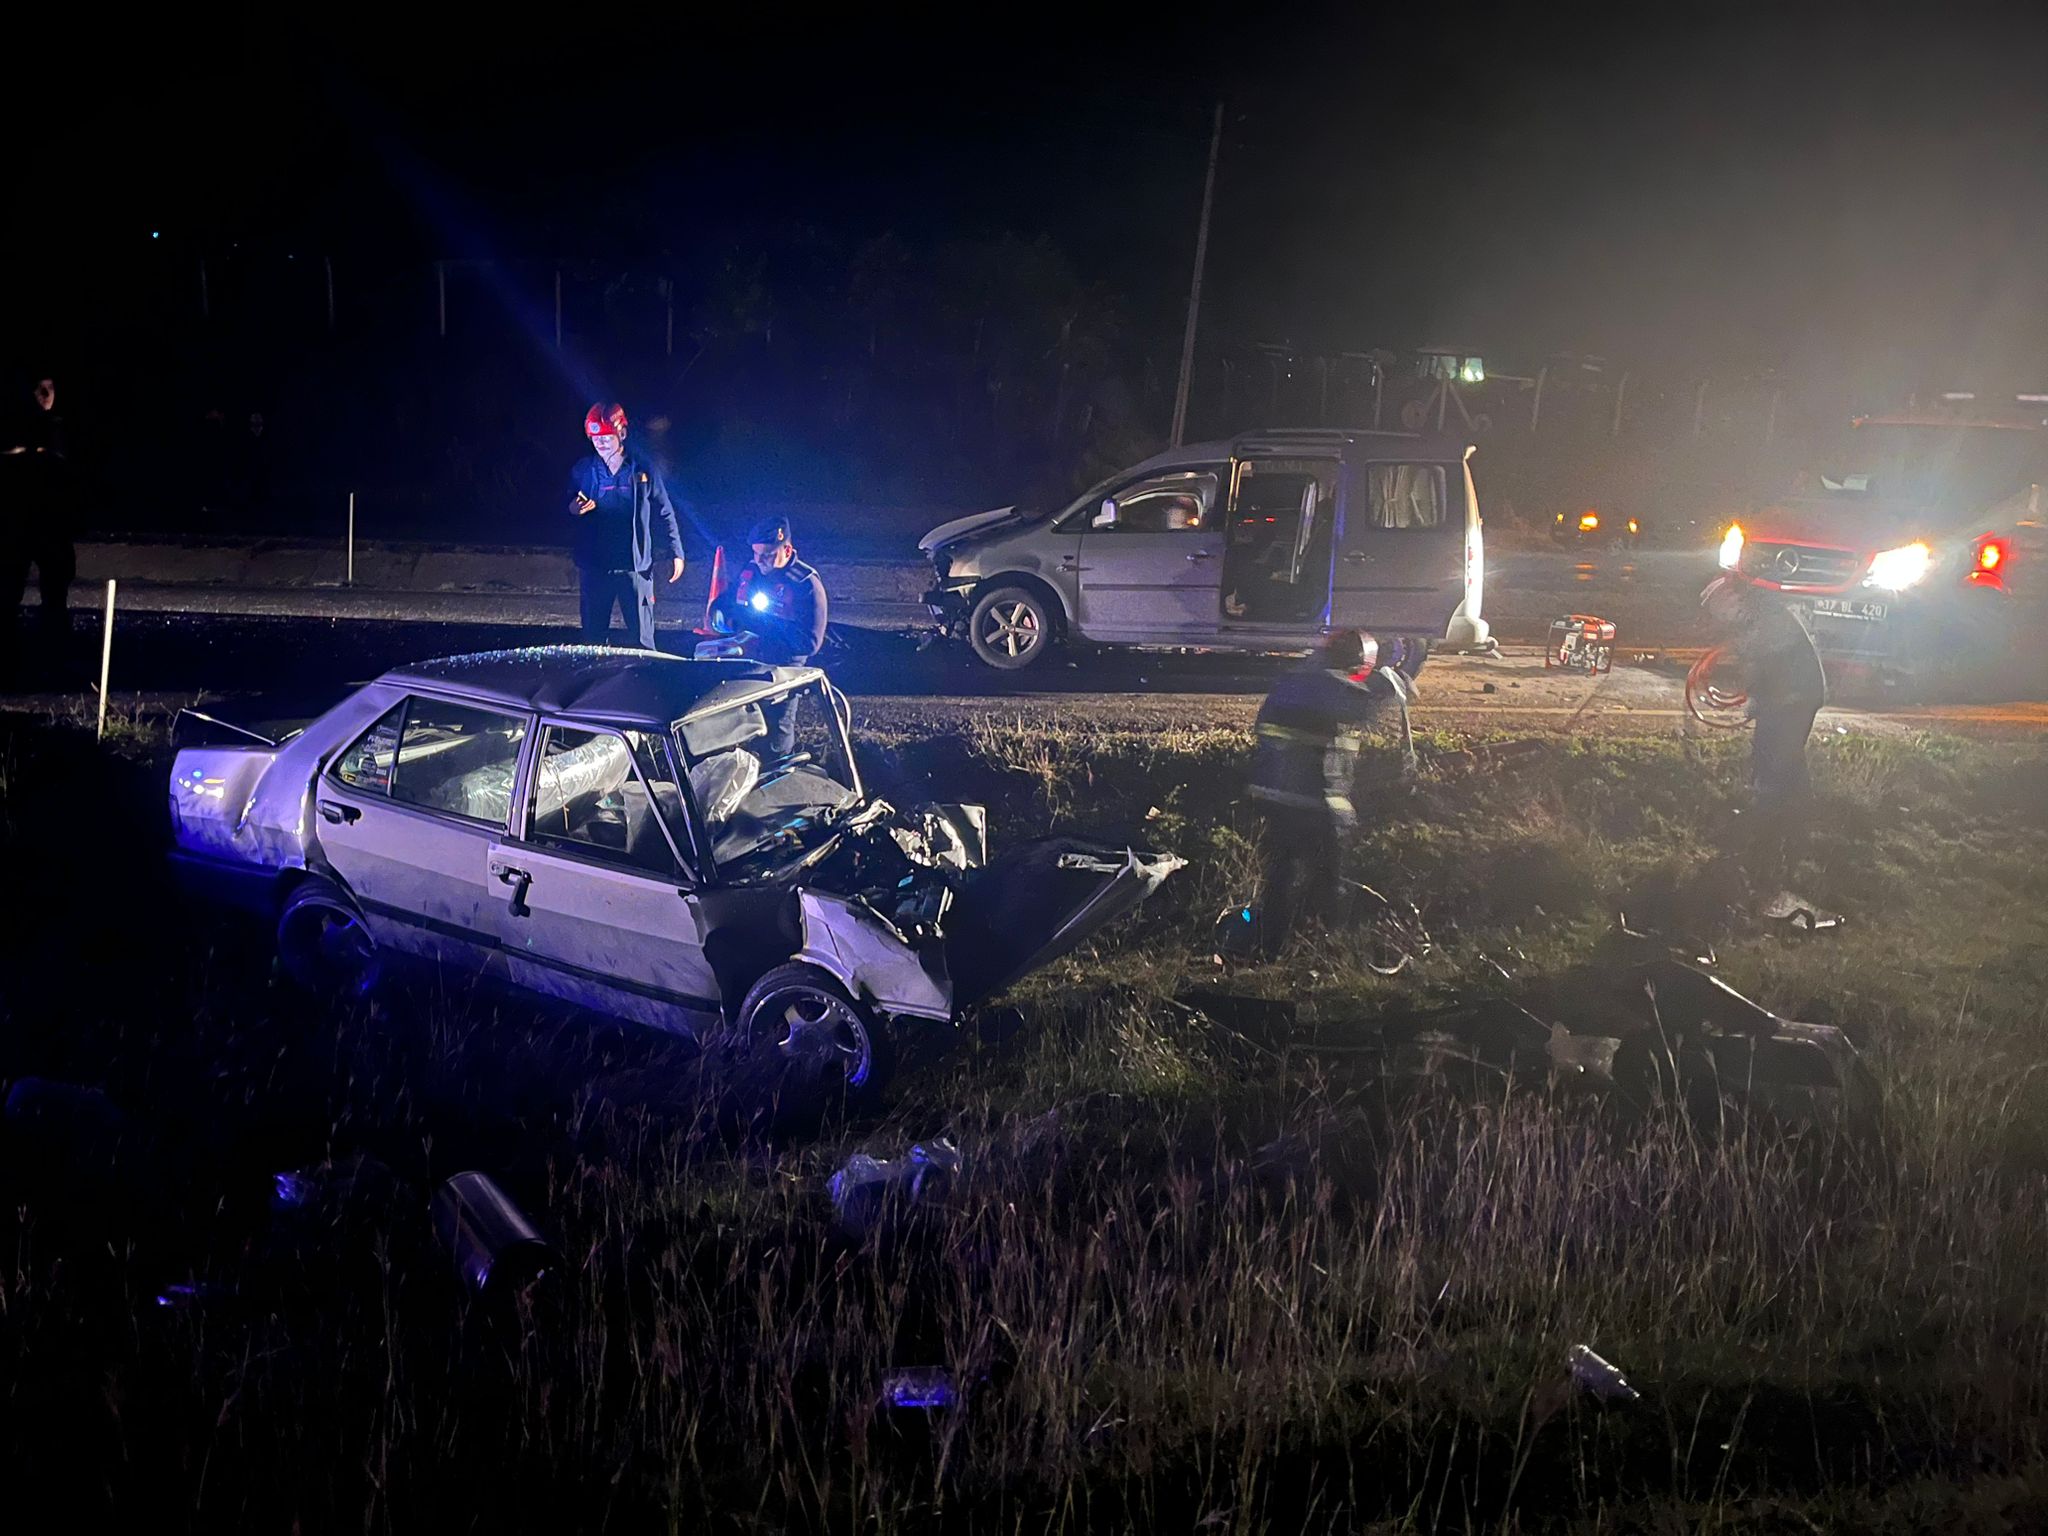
(685,844)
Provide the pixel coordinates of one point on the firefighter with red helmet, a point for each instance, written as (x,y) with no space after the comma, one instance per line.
(1310,733)
(625,530)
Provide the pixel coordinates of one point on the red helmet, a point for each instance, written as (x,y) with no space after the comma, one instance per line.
(605,421)
(1353,651)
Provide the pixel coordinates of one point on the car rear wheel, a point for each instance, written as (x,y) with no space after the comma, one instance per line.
(323,945)
(804,1023)
(1010,628)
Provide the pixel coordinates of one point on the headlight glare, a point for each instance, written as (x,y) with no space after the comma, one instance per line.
(1896,569)
(1731,548)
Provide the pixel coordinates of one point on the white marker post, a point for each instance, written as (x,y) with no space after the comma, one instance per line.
(351,538)
(106,658)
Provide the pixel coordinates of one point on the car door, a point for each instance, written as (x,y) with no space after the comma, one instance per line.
(408,813)
(1400,564)
(594,895)
(1150,560)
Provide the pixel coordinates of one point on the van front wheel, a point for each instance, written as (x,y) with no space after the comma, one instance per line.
(1010,628)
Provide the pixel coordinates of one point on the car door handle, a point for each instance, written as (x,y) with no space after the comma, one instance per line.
(336,812)
(520,881)
(1357,557)
(1203,554)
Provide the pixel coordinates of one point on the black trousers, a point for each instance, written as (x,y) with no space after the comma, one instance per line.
(55,559)
(1301,854)
(1777,757)
(630,592)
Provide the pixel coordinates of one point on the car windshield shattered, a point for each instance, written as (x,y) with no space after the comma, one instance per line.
(771,772)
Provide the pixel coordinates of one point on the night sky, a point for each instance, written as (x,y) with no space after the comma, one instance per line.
(1742,186)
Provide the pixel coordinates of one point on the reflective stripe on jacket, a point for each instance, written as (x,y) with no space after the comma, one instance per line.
(1309,732)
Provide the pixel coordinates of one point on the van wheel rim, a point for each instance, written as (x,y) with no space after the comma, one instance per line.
(1012,628)
(820,1030)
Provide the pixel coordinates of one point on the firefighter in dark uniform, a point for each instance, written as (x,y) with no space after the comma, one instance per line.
(1310,731)
(1768,655)
(625,529)
(781,603)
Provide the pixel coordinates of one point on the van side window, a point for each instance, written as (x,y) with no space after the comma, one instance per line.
(1405,495)
(1173,503)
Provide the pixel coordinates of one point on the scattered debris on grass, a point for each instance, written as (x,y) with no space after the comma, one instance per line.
(495,1249)
(1592,1374)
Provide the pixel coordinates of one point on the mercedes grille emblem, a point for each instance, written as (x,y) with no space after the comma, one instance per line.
(1787,562)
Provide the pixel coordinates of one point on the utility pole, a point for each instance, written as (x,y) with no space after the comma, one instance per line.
(1187,344)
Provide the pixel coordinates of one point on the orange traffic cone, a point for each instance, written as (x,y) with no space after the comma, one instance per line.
(717,589)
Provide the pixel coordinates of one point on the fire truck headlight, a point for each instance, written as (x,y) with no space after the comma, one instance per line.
(1731,548)
(1896,569)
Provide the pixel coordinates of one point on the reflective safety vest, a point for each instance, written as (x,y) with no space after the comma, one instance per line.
(1309,732)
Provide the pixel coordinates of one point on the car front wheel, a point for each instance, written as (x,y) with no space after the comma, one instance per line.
(804,1023)
(1010,628)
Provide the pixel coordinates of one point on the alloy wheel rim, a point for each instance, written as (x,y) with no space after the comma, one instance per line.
(1012,629)
(821,1029)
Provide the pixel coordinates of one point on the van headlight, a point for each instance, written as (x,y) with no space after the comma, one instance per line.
(1896,569)
(1731,548)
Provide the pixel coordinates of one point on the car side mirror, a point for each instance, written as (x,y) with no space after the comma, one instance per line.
(1106,518)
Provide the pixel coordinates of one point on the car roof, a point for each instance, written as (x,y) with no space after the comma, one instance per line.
(596,682)
(1303,440)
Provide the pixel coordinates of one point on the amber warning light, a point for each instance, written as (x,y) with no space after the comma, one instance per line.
(1989,569)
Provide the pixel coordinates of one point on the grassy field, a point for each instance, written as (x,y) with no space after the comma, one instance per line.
(1203,1270)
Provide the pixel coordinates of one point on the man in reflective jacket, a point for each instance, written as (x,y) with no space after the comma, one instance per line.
(1310,730)
(781,603)
(625,528)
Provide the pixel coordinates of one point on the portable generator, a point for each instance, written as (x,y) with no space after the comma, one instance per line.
(1580,643)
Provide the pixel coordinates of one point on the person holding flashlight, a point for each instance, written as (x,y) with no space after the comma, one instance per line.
(780,602)
(625,529)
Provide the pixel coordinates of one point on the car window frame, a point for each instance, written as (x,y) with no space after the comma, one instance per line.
(689,874)
(330,772)
(1157,482)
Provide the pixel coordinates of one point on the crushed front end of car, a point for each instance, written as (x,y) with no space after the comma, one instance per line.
(910,914)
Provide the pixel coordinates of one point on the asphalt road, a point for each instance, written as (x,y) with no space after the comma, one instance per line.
(275,665)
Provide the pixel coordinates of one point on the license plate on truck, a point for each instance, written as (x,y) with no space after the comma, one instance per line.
(1848,608)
